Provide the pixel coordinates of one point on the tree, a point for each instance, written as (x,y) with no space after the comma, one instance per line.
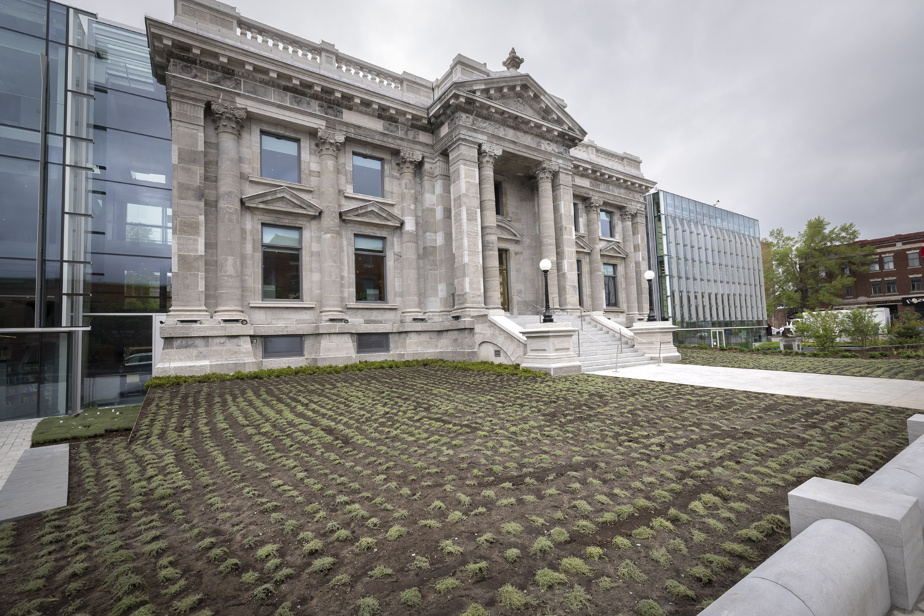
(813,270)
(860,326)
(907,329)
(822,328)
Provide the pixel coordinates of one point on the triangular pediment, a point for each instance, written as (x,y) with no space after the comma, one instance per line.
(282,199)
(581,245)
(512,97)
(371,213)
(614,249)
(506,231)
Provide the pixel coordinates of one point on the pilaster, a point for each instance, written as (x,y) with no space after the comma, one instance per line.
(566,255)
(466,228)
(639,258)
(408,162)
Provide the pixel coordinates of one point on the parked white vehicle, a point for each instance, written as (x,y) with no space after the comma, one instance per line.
(882,315)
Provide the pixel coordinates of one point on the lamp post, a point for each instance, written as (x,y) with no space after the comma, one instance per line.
(545,265)
(649,276)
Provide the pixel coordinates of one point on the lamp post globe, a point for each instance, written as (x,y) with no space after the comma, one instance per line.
(649,276)
(545,265)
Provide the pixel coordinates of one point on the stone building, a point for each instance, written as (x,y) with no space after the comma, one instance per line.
(327,210)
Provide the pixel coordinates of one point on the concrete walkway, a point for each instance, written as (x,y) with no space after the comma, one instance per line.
(31,480)
(889,392)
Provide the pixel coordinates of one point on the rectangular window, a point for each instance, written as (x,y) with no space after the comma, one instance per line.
(891,286)
(367,176)
(609,285)
(606,224)
(916,283)
(914,259)
(876,287)
(874,265)
(499,204)
(282,346)
(580,281)
(282,249)
(372,343)
(888,262)
(279,158)
(577,218)
(369,257)
(848,292)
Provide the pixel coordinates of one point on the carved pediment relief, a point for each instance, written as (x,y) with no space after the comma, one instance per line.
(283,200)
(614,249)
(371,213)
(527,106)
(506,231)
(581,245)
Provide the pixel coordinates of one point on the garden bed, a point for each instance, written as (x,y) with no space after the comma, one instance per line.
(429,490)
(882,367)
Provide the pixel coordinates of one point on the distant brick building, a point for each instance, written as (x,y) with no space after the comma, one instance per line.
(895,277)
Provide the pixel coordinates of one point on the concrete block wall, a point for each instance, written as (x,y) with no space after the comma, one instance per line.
(856,549)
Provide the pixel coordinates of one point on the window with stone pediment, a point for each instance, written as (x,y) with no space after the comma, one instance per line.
(367,176)
(279,158)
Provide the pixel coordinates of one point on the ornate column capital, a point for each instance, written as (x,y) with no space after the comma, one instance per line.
(593,204)
(489,153)
(227,118)
(626,214)
(545,170)
(408,160)
(329,142)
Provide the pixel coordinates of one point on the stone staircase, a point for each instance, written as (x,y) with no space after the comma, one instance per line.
(599,347)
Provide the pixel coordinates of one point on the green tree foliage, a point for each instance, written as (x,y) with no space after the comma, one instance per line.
(822,328)
(860,326)
(907,329)
(813,270)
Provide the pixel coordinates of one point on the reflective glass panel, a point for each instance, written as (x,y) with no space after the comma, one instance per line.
(136,159)
(19,142)
(27,16)
(136,114)
(367,176)
(369,261)
(17,293)
(118,358)
(120,283)
(279,158)
(19,205)
(21,80)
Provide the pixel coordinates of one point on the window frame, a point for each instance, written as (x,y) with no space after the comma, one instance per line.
(891,287)
(263,247)
(500,207)
(916,283)
(381,161)
(615,286)
(888,262)
(298,157)
(914,255)
(874,264)
(383,255)
(875,287)
(578,219)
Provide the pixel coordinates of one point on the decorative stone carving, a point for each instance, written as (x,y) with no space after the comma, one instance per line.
(593,204)
(545,170)
(513,61)
(489,153)
(625,214)
(228,118)
(329,142)
(408,160)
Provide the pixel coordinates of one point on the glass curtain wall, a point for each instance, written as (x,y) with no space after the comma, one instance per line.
(709,270)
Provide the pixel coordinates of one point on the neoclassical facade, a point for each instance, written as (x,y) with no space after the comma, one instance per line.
(327,210)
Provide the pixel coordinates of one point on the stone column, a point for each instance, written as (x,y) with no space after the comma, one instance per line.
(329,143)
(228,123)
(407,164)
(640,260)
(466,228)
(566,255)
(492,298)
(631,267)
(592,208)
(187,117)
(543,173)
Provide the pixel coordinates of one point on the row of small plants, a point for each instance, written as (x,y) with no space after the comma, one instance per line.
(789,361)
(435,490)
(774,348)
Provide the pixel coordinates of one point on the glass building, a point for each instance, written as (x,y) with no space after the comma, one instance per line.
(709,275)
(84,212)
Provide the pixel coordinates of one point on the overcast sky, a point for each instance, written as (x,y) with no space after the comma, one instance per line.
(781,110)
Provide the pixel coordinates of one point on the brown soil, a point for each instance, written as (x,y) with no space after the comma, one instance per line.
(216,471)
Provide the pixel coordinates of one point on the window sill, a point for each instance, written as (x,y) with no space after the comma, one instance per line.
(282,304)
(381,200)
(373,305)
(256,179)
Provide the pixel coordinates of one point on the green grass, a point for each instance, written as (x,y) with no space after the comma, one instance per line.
(906,369)
(90,423)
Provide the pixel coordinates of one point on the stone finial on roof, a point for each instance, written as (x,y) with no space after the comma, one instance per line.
(513,61)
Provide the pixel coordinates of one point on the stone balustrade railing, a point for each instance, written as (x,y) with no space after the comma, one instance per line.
(857,550)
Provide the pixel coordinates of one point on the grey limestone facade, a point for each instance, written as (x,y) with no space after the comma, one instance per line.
(327,210)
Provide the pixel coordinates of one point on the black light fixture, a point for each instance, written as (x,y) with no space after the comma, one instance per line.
(545,265)
(649,276)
